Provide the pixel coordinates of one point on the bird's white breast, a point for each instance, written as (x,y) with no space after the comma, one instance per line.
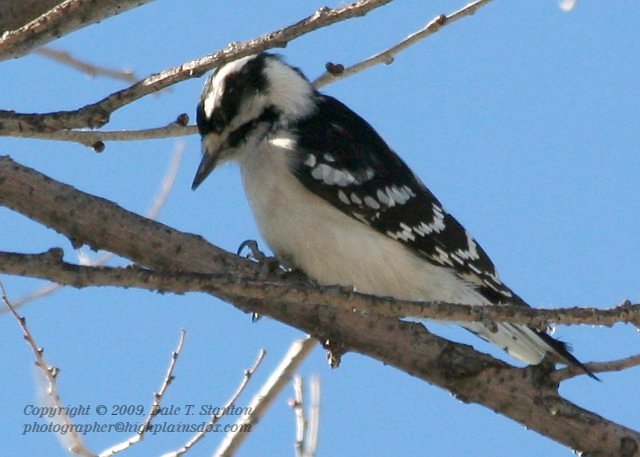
(330,246)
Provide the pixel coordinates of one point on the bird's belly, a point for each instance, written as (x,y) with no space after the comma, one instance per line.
(334,248)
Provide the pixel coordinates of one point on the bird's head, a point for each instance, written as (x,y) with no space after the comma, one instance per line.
(242,101)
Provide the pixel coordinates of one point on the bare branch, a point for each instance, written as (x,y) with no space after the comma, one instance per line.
(95,138)
(56,126)
(74,443)
(62,19)
(306,426)
(90,69)
(597,367)
(313,428)
(386,57)
(155,406)
(216,417)
(567,5)
(97,114)
(261,402)
(469,375)
(297,404)
(158,202)
(50,265)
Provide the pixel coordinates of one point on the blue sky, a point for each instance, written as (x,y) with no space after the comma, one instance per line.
(522,119)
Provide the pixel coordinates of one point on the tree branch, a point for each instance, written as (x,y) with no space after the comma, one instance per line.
(597,367)
(265,397)
(14,14)
(386,57)
(97,114)
(93,70)
(155,405)
(50,266)
(64,18)
(215,418)
(95,138)
(54,126)
(50,396)
(470,376)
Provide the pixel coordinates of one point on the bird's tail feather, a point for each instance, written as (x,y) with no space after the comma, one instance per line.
(526,344)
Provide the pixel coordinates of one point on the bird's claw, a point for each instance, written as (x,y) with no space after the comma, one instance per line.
(254,251)
(268,265)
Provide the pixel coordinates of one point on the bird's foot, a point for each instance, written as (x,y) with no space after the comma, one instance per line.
(269,265)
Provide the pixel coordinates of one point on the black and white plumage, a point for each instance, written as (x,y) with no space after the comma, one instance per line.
(332,199)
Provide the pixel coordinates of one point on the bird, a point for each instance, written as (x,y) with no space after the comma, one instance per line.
(332,199)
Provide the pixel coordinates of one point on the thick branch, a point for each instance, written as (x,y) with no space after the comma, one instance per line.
(50,266)
(97,114)
(62,19)
(469,375)
(16,13)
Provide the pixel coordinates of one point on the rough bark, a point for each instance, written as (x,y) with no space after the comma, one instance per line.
(524,395)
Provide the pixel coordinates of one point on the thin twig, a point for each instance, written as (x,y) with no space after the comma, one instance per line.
(219,415)
(596,367)
(97,114)
(74,443)
(158,203)
(155,406)
(567,5)
(95,139)
(298,410)
(266,395)
(93,70)
(307,425)
(386,57)
(313,426)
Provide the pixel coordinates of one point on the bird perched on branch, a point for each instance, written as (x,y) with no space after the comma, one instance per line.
(331,198)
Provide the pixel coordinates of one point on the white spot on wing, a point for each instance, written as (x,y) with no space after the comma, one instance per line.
(343,198)
(345,178)
(310,161)
(405,234)
(329,157)
(399,195)
(471,253)
(384,198)
(456,258)
(371,202)
(475,269)
(443,257)
(320,171)
(332,176)
(355,199)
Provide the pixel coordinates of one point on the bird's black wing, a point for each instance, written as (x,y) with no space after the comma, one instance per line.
(346,162)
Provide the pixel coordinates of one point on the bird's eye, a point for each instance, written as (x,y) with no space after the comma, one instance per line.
(218,120)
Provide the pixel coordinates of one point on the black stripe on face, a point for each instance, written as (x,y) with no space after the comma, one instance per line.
(248,81)
(240,134)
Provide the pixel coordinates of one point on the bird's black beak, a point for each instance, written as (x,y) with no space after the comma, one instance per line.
(211,147)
